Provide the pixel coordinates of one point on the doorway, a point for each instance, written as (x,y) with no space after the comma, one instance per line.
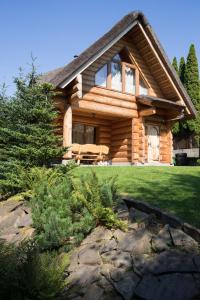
(153,143)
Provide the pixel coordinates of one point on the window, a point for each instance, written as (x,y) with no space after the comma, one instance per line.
(101,76)
(129,80)
(116,76)
(83,134)
(143,90)
(121,76)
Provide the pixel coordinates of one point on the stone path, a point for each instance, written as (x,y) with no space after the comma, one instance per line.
(150,262)
(15,221)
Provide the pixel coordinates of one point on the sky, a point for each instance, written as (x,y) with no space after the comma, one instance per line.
(54,31)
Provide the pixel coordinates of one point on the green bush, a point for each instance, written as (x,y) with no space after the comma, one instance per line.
(65,209)
(99,197)
(28,178)
(57,215)
(27,274)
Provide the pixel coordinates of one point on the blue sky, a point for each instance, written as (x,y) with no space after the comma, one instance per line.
(55,30)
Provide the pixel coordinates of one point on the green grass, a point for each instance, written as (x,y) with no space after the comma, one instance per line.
(173,189)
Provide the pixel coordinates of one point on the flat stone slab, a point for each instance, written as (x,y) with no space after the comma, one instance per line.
(163,240)
(89,255)
(15,221)
(183,240)
(118,258)
(166,287)
(137,242)
(149,261)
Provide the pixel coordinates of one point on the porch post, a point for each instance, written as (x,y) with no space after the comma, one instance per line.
(67,130)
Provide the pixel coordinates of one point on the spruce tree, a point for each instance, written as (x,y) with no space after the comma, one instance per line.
(175,64)
(182,70)
(28,133)
(192,76)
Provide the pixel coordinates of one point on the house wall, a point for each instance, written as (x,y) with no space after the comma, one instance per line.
(121,141)
(126,137)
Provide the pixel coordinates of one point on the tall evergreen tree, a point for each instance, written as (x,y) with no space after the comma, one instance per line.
(27,133)
(182,70)
(175,64)
(192,76)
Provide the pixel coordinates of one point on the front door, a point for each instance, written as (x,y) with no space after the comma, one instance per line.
(153,143)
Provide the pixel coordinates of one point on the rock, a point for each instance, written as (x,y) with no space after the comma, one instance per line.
(119,259)
(108,246)
(122,211)
(25,221)
(166,287)
(181,239)
(192,231)
(94,291)
(126,286)
(8,206)
(116,274)
(89,255)
(11,219)
(119,234)
(136,215)
(133,226)
(137,242)
(73,262)
(162,241)
(106,269)
(24,234)
(10,230)
(8,237)
(171,261)
(83,276)
(98,234)
(141,263)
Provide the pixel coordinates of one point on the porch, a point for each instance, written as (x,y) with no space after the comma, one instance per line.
(96,138)
(103,139)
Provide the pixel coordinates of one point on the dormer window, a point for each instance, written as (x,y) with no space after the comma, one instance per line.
(121,76)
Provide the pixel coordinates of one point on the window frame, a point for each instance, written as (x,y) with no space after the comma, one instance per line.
(84,134)
(138,75)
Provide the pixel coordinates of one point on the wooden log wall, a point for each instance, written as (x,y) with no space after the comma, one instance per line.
(121,141)
(138,141)
(103,126)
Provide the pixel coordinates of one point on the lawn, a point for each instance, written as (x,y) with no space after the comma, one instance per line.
(173,189)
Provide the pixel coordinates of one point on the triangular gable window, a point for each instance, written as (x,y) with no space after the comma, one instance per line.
(120,76)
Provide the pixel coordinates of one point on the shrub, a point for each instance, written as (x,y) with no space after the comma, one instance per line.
(28,178)
(57,215)
(27,274)
(65,210)
(99,197)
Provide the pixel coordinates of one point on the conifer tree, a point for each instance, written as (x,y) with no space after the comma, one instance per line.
(27,133)
(182,70)
(192,76)
(175,64)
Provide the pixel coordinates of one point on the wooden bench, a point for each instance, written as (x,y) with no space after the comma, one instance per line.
(89,152)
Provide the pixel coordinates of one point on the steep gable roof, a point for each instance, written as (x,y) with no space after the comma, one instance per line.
(61,77)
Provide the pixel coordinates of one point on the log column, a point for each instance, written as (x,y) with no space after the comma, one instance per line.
(135,140)
(67,131)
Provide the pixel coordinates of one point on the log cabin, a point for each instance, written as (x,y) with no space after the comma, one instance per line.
(122,93)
